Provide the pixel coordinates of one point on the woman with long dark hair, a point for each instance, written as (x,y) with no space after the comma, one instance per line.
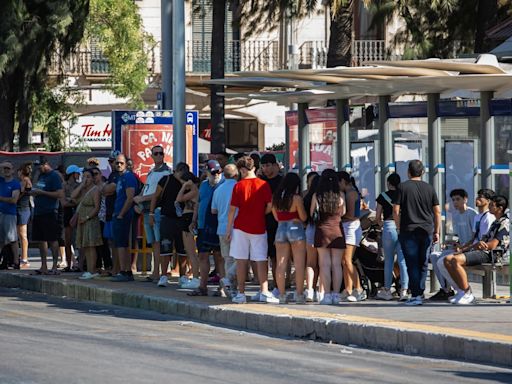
(353,235)
(24,211)
(288,210)
(327,207)
(313,179)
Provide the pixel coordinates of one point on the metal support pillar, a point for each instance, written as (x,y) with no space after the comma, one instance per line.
(487,146)
(343,160)
(166,46)
(435,175)
(386,143)
(303,135)
(178,81)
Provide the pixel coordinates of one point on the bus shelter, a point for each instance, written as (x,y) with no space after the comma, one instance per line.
(461,130)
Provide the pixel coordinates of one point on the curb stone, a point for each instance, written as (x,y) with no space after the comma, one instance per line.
(376,336)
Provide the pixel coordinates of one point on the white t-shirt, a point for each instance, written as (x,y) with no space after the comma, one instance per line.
(481,224)
(153,178)
(463,224)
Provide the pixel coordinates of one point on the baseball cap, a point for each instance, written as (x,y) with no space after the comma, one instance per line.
(73,169)
(114,154)
(213,165)
(42,160)
(268,158)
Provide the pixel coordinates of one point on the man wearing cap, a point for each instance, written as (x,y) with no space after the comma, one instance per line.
(9,192)
(45,227)
(109,191)
(73,173)
(270,170)
(159,170)
(206,223)
(220,206)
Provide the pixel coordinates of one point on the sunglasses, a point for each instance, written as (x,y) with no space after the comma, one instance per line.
(119,162)
(215,172)
(158,153)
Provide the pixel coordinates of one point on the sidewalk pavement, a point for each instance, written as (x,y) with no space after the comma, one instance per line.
(479,333)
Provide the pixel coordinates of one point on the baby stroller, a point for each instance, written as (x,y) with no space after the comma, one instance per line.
(369,259)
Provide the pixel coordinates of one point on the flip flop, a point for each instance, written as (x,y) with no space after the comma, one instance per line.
(198,292)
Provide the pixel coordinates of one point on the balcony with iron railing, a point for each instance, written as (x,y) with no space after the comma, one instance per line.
(250,55)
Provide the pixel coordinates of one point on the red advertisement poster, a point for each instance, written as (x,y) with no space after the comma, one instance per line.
(138,139)
(322,133)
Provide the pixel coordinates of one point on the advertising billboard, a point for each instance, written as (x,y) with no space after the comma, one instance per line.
(136,132)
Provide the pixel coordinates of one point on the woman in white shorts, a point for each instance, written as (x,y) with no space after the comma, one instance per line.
(353,235)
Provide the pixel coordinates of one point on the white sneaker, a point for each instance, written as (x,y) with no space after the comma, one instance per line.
(414,301)
(327,299)
(162,282)
(344,295)
(335,298)
(467,299)
(310,295)
(319,296)
(191,284)
(404,295)
(352,298)
(239,299)
(268,297)
(454,299)
(360,295)
(88,276)
(384,294)
(183,280)
(256,297)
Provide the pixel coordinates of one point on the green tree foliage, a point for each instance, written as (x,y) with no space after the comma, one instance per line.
(441,28)
(29,33)
(117,27)
(54,114)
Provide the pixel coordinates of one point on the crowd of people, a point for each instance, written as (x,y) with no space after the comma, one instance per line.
(241,215)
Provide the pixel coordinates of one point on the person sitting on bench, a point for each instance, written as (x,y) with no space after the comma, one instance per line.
(497,237)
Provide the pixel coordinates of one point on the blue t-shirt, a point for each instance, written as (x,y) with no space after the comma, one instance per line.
(6,190)
(49,182)
(205,197)
(221,202)
(126,180)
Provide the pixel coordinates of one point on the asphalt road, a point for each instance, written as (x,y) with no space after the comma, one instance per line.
(49,340)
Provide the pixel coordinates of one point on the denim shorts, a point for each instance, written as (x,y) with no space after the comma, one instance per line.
(121,231)
(310,234)
(23,216)
(152,232)
(290,231)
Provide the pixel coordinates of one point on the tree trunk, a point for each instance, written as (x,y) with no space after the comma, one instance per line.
(487,13)
(24,114)
(217,72)
(340,40)
(7,113)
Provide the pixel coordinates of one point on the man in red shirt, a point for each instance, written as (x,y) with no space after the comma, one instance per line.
(247,232)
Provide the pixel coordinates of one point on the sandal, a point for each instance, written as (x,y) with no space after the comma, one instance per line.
(198,292)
